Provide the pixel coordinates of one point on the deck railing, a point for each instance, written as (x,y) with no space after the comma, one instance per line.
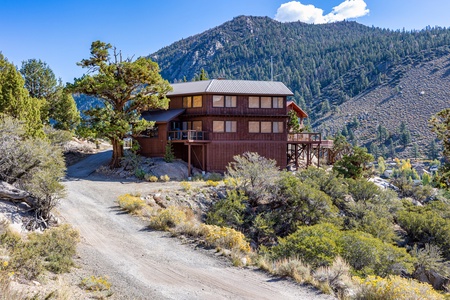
(305,137)
(179,135)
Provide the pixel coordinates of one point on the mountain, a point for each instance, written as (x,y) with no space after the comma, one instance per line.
(329,67)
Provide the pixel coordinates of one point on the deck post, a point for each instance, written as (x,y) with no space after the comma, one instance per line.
(203,158)
(189,159)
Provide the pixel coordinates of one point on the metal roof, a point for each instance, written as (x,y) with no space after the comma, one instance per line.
(236,87)
(162,116)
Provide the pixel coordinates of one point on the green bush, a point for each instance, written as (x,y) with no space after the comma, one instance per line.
(315,245)
(229,211)
(368,255)
(320,244)
(427,224)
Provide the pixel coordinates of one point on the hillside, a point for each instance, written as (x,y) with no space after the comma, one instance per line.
(420,89)
(330,68)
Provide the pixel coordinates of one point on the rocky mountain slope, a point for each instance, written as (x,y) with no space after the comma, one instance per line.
(420,89)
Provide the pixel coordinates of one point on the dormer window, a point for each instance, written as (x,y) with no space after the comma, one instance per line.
(224,101)
(192,101)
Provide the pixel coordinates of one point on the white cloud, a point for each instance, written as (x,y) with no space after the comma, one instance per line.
(296,11)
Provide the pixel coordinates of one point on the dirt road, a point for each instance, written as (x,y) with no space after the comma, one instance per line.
(143,264)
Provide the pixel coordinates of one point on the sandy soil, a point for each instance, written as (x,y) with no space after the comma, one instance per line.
(145,264)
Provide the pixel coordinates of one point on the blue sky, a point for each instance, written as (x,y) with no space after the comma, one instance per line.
(60,32)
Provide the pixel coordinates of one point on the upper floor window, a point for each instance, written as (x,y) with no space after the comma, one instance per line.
(265,102)
(224,101)
(192,101)
(224,126)
(265,127)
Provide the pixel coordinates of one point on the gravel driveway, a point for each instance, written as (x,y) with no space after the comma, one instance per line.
(144,264)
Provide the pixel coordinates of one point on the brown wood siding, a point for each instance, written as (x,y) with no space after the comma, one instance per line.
(242,108)
(181,152)
(219,154)
(156,146)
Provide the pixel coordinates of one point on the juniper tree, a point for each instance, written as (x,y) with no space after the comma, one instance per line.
(126,87)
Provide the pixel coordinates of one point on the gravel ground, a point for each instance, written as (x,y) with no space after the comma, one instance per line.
(145,264)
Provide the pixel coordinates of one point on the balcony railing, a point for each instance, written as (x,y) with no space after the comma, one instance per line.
(180,135)
(305,137)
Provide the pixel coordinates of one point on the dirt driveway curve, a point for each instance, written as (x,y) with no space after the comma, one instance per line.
(143,264)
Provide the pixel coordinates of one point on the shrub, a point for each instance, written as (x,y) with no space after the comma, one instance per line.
(131,203)
(291,267)
(95,283)
(427,224)
(315,245)
(224,237)
(139,173)
(368,255)
(169,155)
(151,178)
(167,218)
(393,288)
(164,178)
(254,174)
(335,278)
(212,183)
(229,211)
(186,185)
(52,250)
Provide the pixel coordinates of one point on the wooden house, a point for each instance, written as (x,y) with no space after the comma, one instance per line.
(209,122)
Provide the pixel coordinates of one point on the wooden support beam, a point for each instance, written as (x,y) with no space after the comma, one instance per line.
(189,160)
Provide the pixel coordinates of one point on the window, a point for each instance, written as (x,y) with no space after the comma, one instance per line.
(277,127)
(197,125)
(224,126)
(253,102)
(192,101)
(230,126)
(218,126)
(197,101)
(277,102)
(218,101)
(230,101)
(192,125)
(253,127)
(265,127)
(265,102)
(224,101)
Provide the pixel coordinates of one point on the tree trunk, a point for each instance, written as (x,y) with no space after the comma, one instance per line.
(117,153)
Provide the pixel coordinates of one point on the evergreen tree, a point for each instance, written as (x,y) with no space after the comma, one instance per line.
(415,151)
(433,151)
(15,100)
(58,106)
(126,87)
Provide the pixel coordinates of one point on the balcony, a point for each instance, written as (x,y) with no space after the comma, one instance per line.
(187,135)
(310,138)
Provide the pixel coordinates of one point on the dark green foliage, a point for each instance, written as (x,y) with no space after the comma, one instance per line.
(58,105)
(293,122)
(326,62)
(429,224)
(299,203)
(126,88)
(228,212)
(353,165)
(169,156)
(318,245)
(16,102)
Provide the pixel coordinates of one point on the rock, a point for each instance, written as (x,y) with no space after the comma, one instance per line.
(160,201)
(8,191)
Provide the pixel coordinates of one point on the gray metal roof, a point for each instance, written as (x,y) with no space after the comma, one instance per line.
(235,87)
(162,116)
